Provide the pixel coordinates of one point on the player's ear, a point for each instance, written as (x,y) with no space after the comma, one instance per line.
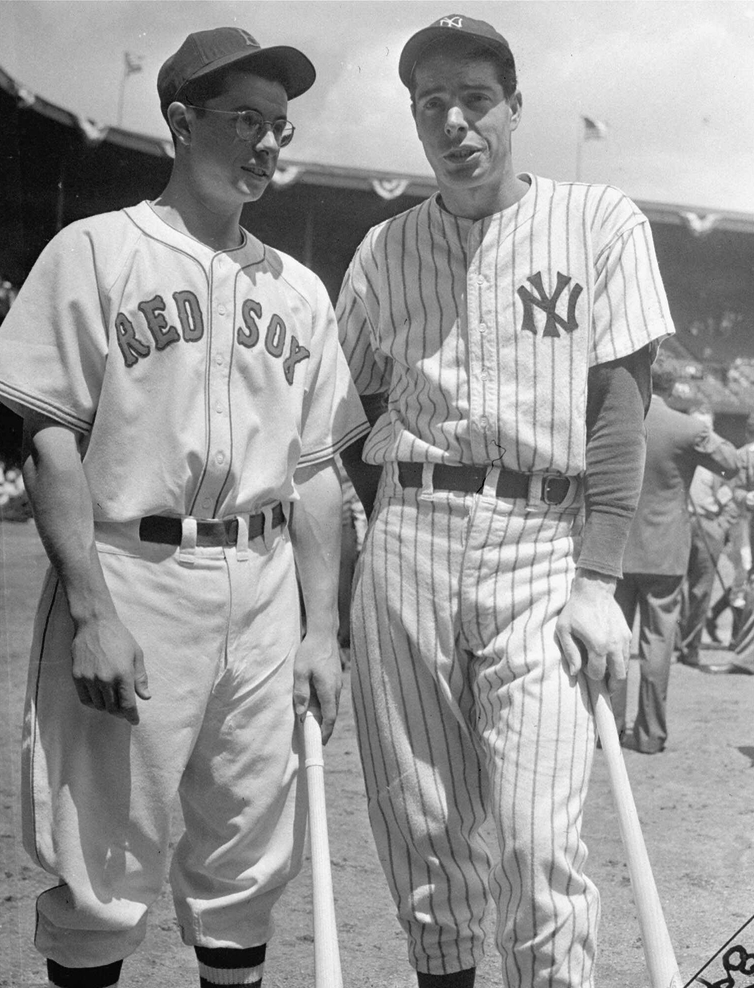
(516,104)
(180,122)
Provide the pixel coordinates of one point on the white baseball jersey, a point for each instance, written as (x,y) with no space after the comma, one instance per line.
(201,379)
(483,332)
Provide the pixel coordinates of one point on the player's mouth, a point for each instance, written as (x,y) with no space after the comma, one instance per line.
(257,171)
(462,154)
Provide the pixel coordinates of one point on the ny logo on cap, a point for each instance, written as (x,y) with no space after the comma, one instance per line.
(451,22)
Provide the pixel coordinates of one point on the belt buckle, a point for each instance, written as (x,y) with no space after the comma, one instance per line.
(231,531)
(553,497)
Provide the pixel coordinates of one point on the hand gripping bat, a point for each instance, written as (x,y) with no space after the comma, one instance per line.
(327,973)
(658,950)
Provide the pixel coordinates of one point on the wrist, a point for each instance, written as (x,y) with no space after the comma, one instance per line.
(592,579)
(322,628)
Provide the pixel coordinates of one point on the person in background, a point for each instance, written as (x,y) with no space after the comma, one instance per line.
(656,558)
(740,542)
(714,514)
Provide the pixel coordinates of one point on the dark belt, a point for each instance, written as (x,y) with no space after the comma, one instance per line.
(213,532)
(470,480)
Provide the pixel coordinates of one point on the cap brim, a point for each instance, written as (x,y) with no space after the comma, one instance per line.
(293,65)
(415,46)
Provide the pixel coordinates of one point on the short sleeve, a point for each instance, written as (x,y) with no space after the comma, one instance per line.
(630,305)
(53,343)
(358,314)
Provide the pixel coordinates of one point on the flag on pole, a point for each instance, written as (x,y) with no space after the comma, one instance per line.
(594,130)
(133,62)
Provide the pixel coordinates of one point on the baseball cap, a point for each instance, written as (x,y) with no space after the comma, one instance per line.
(204,52)
(480,31)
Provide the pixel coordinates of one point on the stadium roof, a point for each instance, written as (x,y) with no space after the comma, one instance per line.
(387,185)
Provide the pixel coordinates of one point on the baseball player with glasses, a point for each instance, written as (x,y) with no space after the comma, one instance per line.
(501,335)
(184,395)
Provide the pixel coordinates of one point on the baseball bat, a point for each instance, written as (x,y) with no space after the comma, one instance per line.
(327,973)
(658,949)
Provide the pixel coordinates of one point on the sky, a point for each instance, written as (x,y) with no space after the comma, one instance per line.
(672,80)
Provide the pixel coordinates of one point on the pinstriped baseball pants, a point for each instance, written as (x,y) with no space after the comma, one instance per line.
(464,708)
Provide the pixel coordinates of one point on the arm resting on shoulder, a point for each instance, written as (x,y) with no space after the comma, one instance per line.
(365,477)
(107,663)
(315,532)
(591,626)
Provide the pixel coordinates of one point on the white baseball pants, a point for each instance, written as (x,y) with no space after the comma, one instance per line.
(464,706)
(219,630)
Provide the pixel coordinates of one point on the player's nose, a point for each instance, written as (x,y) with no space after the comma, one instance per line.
(267,142)
(455,123)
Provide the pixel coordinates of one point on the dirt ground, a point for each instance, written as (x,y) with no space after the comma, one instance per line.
(696,804)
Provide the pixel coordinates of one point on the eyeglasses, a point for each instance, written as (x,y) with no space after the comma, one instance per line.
(251,125)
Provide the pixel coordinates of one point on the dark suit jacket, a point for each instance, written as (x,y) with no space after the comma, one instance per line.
(660,537)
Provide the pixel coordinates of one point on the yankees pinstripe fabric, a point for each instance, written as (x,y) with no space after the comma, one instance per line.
(482,334)
(483,331)
(463,704)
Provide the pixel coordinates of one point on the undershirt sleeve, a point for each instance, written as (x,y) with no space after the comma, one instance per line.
(618,396)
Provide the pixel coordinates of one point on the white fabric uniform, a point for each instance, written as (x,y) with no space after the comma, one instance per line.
(482,333)
(200,380)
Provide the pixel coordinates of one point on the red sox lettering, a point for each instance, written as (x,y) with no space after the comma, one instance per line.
(192,323)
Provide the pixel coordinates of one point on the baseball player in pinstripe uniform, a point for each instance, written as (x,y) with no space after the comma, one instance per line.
(184,395)
(501,335)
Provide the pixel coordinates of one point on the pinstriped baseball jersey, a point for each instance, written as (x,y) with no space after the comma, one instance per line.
(201,379)
(483,332)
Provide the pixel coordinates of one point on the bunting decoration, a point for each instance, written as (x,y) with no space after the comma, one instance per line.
(285,175)
(93,133)
(700,225)
(389,188)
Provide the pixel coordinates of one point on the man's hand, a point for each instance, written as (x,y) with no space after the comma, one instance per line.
(591,626)
(317,681)
(108,668)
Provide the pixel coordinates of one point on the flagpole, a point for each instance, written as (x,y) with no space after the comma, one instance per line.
(131,64)
(124,76)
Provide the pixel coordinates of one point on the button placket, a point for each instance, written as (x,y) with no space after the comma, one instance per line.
(220,343)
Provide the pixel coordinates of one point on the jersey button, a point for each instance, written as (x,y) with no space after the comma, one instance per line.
(220,457)
(221,309)
(207,502)
(482,327)
(219,359)
(219,408)
(484,422)
(484,374)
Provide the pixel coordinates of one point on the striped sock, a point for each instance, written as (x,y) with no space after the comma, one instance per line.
(230,967)
(83,977)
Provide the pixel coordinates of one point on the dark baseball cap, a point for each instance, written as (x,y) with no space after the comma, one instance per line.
(466,27)
(205,52)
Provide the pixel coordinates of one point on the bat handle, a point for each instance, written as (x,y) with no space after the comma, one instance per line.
(327,972)
(658,949)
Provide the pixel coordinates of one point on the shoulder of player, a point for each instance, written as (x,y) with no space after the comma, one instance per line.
(609,212)
(294,273)
(380,239)
(91,243)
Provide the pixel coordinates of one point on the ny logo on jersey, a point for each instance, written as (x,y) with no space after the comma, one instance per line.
(549,305)
(451,22)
